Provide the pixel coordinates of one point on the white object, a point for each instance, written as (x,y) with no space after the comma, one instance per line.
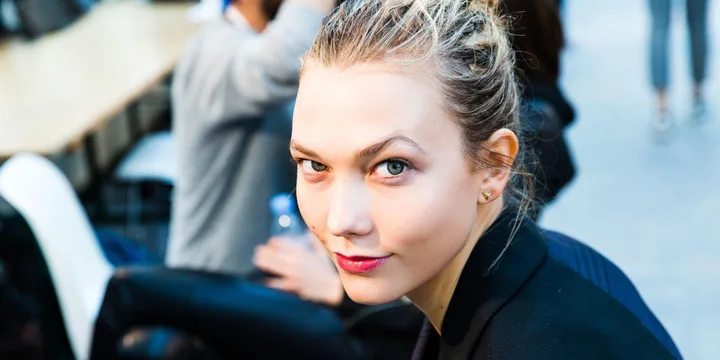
(154,158)
(205,10)
(42,194)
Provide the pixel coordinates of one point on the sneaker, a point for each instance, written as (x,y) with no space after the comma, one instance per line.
(663,127)
(699,111)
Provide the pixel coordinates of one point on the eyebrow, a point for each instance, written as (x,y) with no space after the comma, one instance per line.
(368,152)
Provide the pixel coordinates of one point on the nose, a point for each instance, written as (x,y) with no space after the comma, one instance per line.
(349,214)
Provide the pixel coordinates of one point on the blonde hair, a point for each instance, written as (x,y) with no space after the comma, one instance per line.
(465,44)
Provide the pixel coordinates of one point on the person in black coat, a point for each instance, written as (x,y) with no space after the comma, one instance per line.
(537,37)
(405,135)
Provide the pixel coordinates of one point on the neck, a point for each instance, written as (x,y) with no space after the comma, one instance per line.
(433,297)
(254,15)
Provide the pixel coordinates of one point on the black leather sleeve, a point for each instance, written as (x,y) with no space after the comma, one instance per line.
(234,317)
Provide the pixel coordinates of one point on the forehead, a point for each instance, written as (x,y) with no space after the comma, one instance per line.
(362,103)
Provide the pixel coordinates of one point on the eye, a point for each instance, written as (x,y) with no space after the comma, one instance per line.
(310,166)
(391,168)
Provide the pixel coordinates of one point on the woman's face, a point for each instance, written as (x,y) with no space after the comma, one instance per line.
(382,177)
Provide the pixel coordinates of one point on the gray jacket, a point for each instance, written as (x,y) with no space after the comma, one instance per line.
(232,79)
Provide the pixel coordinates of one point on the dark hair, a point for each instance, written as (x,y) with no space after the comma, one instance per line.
(271,8)
(536,35)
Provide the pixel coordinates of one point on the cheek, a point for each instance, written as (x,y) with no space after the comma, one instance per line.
(425,225)
(430,219)
(313,207)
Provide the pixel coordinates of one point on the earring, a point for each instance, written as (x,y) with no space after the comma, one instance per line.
(487,194)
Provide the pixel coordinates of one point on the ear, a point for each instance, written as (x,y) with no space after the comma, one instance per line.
(500,151)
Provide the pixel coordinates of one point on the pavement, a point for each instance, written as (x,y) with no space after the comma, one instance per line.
(654,209)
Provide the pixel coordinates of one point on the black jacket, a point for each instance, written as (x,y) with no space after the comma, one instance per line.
(545,116)
(537,88)
(549,297)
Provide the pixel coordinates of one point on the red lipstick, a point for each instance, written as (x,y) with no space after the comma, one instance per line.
(360,264)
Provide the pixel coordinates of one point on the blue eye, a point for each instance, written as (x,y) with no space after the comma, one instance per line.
(391,168)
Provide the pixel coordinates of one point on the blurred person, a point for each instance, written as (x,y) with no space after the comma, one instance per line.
(696,13)
(538,41)
(231,97)
(421,201)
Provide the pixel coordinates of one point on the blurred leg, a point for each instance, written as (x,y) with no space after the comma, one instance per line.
(697,23)
(660,13)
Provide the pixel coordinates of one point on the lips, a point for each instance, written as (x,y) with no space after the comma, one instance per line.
(360,264)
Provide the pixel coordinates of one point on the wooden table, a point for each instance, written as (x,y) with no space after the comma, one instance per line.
(57,90)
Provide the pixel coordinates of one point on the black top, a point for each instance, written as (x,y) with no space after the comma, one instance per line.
(549,297)
(535,87)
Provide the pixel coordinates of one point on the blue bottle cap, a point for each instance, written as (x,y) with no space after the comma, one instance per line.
(282,203)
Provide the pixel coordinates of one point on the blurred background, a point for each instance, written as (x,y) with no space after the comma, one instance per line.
(87,86)
(648,207)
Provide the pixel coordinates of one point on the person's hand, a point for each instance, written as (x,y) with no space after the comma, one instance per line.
(306,272)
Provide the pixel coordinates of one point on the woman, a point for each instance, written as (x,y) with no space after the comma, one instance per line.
(403,133)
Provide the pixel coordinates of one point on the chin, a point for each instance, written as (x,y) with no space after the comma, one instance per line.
(370,291)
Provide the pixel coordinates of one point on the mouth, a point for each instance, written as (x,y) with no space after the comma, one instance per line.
(360,264)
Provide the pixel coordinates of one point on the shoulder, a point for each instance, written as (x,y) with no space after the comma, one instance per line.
(201,76)
(577,305)
(583,261)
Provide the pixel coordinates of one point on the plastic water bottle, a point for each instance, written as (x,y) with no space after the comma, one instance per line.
(286,220)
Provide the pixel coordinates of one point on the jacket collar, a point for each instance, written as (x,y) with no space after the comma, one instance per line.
(481,290)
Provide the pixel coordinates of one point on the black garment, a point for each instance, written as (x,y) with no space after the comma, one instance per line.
(549,297)
(386,332)
(20,336)
(538,88)
(551,162)
(546,113)
(233,317)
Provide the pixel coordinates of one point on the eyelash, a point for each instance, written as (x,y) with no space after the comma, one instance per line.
(390,179)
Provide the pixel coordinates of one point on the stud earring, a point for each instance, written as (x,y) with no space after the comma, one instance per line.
(487,194)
